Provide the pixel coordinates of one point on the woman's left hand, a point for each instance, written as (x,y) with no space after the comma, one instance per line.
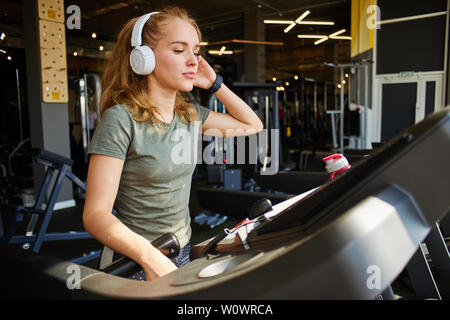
(205,76)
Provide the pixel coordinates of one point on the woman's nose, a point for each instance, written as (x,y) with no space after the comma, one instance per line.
(193,59)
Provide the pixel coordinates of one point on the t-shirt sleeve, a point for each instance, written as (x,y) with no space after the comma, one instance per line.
(202,112)
(113,134)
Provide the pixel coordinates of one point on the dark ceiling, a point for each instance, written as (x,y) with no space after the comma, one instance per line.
(219,20)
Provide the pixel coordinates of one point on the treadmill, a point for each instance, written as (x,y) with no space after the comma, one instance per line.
(348,239)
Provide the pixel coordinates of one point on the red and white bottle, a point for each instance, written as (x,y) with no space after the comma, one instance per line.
(335,164)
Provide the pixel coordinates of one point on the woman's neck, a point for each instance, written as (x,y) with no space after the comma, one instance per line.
(163,99)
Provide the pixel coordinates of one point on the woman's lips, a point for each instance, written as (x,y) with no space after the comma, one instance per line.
(189,75)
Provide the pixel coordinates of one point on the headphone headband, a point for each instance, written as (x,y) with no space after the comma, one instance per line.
(136,37)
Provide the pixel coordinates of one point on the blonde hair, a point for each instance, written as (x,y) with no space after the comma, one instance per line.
(122,86)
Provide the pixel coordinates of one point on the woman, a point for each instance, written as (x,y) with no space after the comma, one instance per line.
(132,165)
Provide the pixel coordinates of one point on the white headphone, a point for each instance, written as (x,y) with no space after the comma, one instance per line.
(142,58)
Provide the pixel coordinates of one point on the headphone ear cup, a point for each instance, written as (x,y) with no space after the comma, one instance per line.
(142,60)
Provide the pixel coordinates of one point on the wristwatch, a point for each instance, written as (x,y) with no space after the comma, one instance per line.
(216,85)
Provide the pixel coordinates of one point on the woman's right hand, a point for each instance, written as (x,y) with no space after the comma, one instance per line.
(156,264)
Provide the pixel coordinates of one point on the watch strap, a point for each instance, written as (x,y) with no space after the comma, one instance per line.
(216,85)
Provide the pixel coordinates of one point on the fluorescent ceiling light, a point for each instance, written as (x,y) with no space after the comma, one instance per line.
(325,38)
(278,21)
(342,38)
(221,51)
(325,23)
(289,27)
(311,36)
(302,16)
(217,52)
(337,33)
(299,20)
(296,21)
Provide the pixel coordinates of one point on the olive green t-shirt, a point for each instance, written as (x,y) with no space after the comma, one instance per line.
(154,189)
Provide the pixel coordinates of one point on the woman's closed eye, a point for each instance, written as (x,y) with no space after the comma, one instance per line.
(179,51)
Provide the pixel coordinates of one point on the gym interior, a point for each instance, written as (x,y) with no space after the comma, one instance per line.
(356,88)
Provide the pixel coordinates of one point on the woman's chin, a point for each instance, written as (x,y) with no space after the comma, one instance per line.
(186,87)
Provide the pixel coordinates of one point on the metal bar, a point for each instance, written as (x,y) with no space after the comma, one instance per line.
(86,113)
(333,130)
(341,124)
(276,126)
(53,236)
(89,257)
(83,111)
(366,105)
(438,249)
(420,16)
(76,180)
(50,205)
(40,200)
(19,104)
(421,277)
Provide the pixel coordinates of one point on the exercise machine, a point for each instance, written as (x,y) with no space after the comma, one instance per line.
(348,239)
(38,216)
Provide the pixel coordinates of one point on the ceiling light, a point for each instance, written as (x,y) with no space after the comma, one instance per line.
(310,36)
(204,43)
(342,38)
(337,33)
(94,35)
(324,23)
(222,50)
(302,16)
(217,52)
(289,27)
(274,79)
(2,51)
(100,48)
(2,36)
(75,53)
(296,21)
(9,58)
(325,38)
(278,21)
(296,77)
